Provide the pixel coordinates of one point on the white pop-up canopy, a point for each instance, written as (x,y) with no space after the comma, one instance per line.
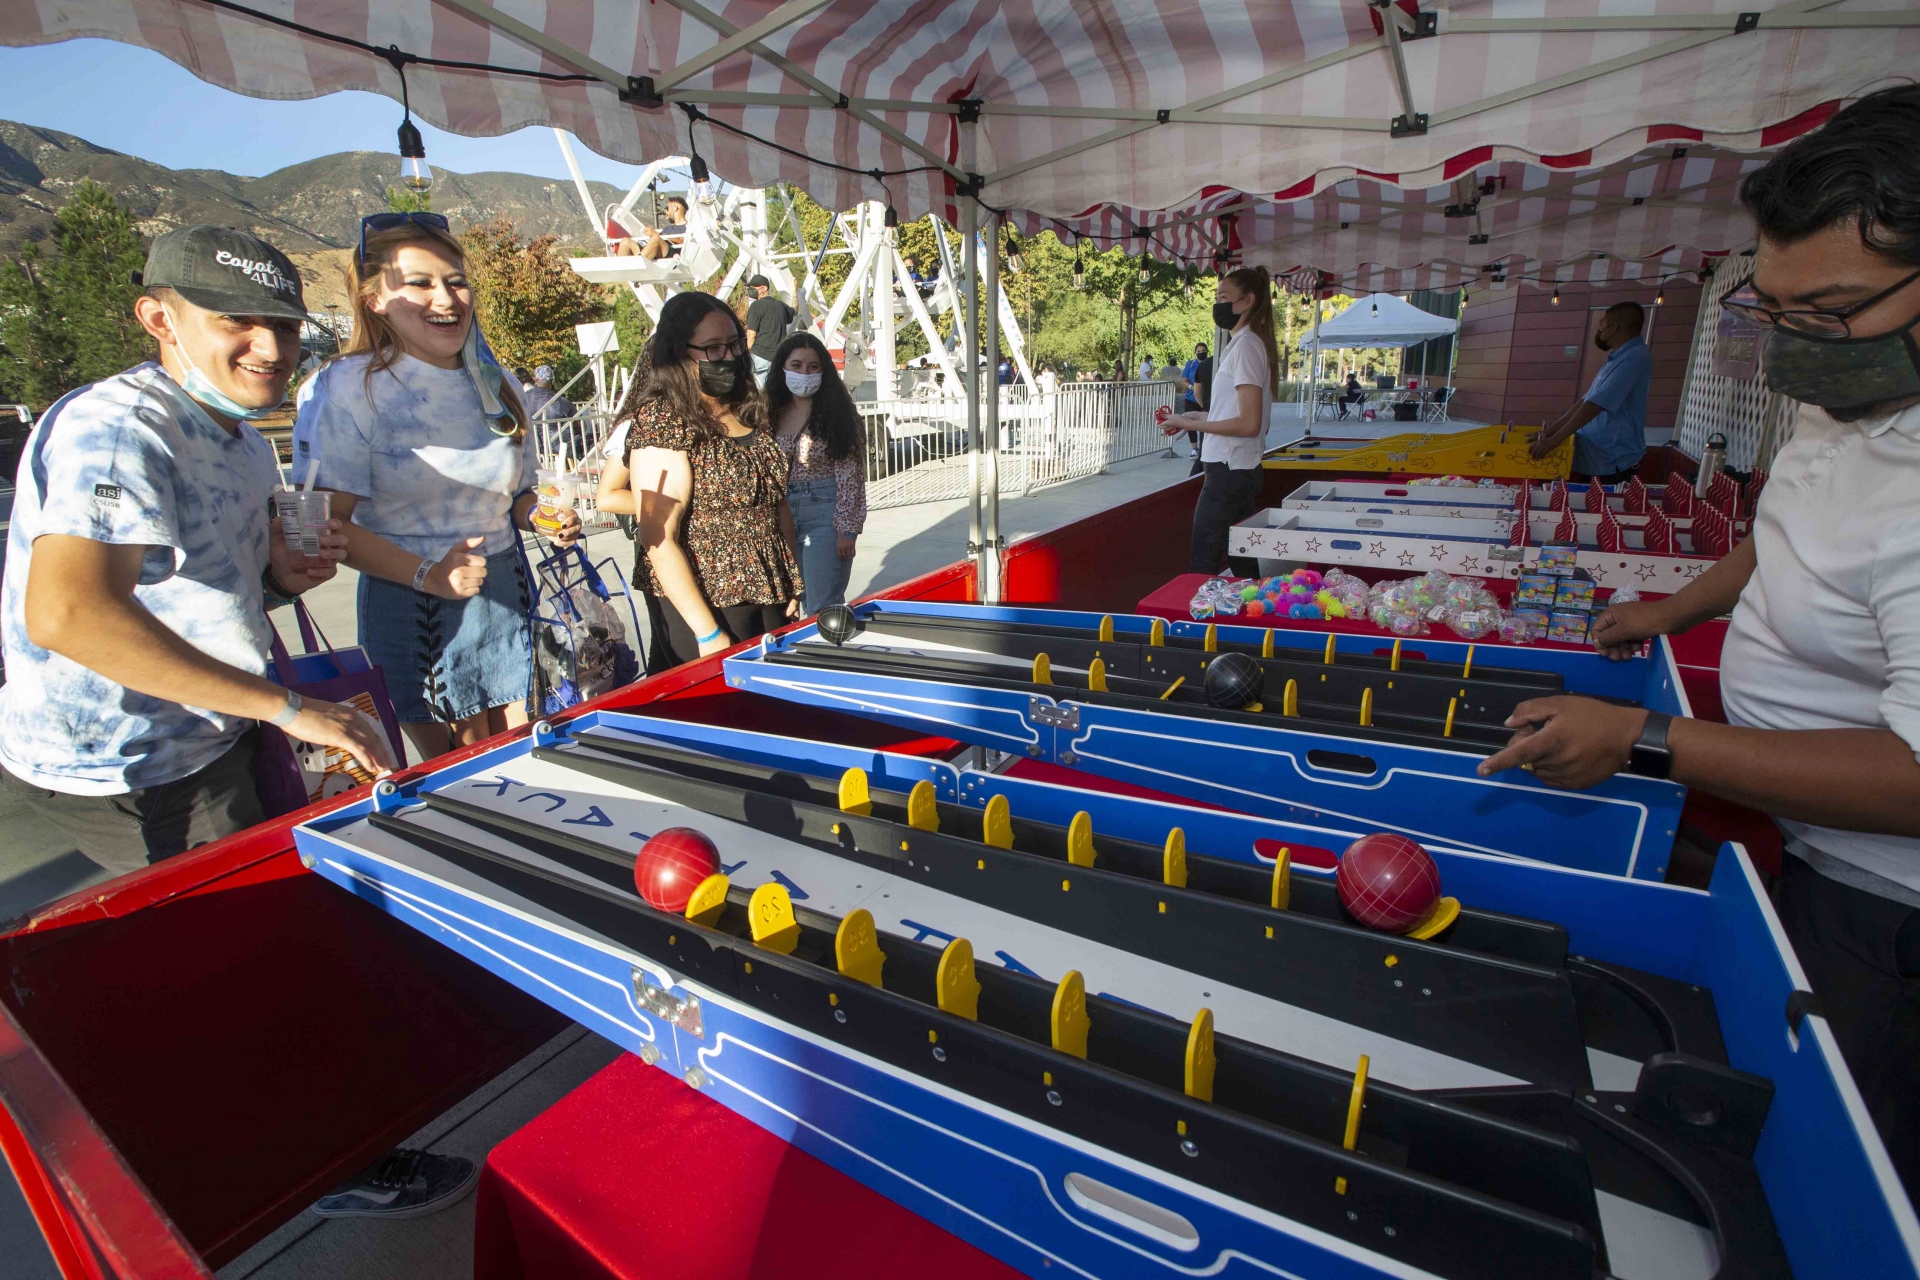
(1380,320)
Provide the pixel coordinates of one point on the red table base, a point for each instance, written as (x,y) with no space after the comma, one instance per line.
(634,1174)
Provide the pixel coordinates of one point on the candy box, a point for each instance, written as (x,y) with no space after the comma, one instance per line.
(1537,589)
(1573,593)
(1558,560)
(1568,626)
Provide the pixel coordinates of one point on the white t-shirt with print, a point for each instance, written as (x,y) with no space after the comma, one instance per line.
(1242,364)
(413,445)
(133,461)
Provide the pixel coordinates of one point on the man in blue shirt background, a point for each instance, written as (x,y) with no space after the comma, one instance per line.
(1609,424)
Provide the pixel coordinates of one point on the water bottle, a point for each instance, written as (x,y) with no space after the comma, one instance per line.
(1713,460)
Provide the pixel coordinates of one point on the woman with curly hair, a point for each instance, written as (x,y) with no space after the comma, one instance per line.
(706,483)
(819,430)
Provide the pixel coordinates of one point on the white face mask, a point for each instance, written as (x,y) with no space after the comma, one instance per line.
(201,388)
(803,385)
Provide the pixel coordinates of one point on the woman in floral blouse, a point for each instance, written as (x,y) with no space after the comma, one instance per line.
(819,430)
(706,482)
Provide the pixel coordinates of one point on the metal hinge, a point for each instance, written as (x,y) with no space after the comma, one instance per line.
(640,93)
(1406,127)
(1506,553)
(1052,714)
(683,1013)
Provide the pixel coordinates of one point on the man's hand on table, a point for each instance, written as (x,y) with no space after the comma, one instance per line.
(1568,742)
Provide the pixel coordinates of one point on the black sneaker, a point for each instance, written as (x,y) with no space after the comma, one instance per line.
(406,1184)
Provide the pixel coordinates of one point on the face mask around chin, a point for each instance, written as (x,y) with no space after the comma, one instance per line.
(201,388)
(803,384)
(717,377)
(1843,373)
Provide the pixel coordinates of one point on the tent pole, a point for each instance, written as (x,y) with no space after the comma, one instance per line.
(990,290)
(969,354)
(1313,373)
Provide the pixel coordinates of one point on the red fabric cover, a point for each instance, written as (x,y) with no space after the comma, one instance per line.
(634,1174)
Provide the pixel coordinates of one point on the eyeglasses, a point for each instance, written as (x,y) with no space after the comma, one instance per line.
(1827,323)
(379,222)
(731,349)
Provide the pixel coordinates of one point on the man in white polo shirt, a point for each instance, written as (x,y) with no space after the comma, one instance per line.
(1820,674)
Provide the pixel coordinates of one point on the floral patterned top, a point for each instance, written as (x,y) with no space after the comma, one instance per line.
(731,529)
(808,461)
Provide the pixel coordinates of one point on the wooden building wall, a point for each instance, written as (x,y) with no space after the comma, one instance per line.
(1520,355)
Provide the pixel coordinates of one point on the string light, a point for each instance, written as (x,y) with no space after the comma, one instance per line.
(1660,296)
(1079,269)
(415,176)
(1556,295)
(1014,262)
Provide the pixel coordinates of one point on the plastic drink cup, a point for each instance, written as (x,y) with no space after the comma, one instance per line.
(303,515)
(555,494)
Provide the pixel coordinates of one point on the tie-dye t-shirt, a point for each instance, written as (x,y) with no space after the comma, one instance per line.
(413,445)
(134,461)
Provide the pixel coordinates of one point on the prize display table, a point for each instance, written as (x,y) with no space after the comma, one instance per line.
(635,1175)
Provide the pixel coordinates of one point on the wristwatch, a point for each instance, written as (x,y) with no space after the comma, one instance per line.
(1650,757)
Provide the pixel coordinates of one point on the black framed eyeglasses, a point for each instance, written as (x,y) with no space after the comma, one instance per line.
(1833,322)
(731,349)
(379,222)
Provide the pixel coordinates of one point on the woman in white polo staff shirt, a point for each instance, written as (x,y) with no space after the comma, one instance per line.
(1234,425)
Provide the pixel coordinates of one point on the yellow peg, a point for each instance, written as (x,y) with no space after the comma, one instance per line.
(1080,839)
(1200,1060)
(1290,701)
(1157,633)
(996,828)
(1178,681)
(770,916)
(856,947)
(1282,880)
(1173,860)
(1466,673)
(1329,648)
(1366,708)
(1042,670)
(854,795)
(956,990)
(1097,675)
(1359,1100)
(708,900)
(1452,705)
(1106,629)
(1211,641)
(1394,665)
(1266,644)
(1444,913)
(1070,1024)
(923,811)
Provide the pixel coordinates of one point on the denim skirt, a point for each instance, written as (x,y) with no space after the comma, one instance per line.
(445,660)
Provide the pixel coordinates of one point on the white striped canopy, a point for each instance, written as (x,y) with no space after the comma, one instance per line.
(1338,132)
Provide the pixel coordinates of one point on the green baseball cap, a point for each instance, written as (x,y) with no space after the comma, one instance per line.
(228,271)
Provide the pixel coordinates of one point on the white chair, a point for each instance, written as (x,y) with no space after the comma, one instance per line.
(1434,409)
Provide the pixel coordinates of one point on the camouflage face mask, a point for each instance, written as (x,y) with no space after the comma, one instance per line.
(1843,373)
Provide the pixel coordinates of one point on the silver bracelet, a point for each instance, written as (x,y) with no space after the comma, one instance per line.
(289,713)
(420,574)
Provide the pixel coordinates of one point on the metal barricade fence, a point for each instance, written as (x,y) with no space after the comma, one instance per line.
(917,448)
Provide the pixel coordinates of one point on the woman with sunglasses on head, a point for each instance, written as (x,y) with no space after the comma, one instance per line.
(423,442)
(819,430)
(706,482)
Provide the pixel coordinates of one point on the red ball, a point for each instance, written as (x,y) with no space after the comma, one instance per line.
(1388,882)
(671,865)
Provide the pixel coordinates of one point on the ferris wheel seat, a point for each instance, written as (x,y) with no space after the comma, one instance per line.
(630,270)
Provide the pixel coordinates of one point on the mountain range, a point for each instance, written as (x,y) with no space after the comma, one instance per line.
(310,211)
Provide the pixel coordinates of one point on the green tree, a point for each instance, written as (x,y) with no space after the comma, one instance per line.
(528,299)
(401,200)
(68,320)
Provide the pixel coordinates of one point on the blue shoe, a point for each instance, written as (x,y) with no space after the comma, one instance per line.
(406,1184)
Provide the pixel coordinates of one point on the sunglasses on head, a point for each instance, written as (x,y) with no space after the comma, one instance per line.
(379,222)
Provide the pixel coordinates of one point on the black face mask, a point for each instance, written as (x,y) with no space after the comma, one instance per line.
(1224,316)
(717,377)
(1843,373)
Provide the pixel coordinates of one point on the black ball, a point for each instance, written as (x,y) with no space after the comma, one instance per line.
(839,624)
(1233,681)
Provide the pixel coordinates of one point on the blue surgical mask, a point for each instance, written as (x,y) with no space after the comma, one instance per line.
(201,388)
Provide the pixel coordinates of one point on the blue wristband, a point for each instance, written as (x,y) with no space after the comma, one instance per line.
(711,635)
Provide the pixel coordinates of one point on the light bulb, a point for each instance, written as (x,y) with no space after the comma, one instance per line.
(1079,272)
(1015,263)
(1146,271)
(414,173)
(1659,297)
(1556,295)
(1376,308)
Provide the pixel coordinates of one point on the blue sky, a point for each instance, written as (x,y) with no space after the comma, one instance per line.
(107,93)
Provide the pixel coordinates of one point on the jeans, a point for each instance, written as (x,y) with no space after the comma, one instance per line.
(1226,498)
(760,368)
(128,831)
(823,572)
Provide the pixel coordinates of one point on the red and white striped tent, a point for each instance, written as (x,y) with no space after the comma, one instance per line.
(1375,142)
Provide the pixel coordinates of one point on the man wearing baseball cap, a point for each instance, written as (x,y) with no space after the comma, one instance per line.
(140,565)
(768,320)
(543,402)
